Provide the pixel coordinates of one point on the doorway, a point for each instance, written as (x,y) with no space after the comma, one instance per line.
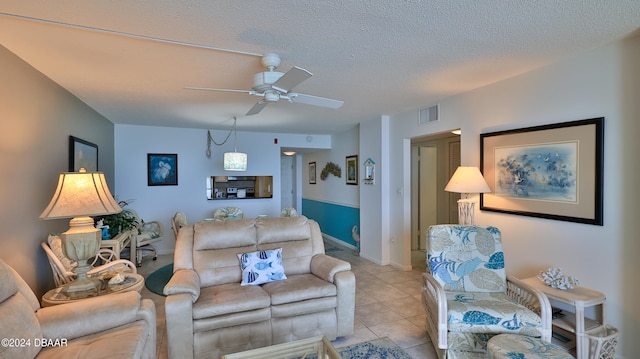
(287,181)
(434,159)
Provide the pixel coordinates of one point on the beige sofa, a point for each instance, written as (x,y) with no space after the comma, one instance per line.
(113,326)
(209,313)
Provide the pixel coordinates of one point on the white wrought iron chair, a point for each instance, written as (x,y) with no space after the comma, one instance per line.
(148,233)
(62,267)
(467,296)
(227,214)
(289,212)
(178,221)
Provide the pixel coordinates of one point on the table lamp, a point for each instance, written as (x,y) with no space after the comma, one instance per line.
(467,180)
(80,195)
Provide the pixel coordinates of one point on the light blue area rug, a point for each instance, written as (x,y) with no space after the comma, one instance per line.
(376,349)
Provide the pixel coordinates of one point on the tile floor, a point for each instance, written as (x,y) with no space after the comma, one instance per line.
(387,305)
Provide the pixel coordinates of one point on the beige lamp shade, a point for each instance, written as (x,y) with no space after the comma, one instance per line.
(467,180)
(81,194)
(235,161)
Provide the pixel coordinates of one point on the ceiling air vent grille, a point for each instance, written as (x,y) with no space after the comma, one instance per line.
(428,115)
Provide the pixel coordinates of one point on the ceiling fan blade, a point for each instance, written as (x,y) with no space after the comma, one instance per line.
(315,100)
(291,79)
(257,107)
(223,90)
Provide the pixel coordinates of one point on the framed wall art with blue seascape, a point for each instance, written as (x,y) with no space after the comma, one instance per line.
(162,169)
(551,171)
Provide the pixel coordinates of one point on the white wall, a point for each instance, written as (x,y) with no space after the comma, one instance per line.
(160,203)
(374,236)
(603,82)
(332,189)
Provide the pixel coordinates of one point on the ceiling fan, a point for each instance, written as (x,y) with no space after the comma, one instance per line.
(272,86)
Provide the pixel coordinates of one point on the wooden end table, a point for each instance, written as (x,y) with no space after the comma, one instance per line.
(575,323)
(120,242)
(60,295)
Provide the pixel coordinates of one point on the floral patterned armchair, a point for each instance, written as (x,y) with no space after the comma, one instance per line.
(469,298)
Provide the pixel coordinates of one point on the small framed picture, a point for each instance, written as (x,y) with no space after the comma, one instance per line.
(162,169)
(82,154)
(352,170)
(312,173)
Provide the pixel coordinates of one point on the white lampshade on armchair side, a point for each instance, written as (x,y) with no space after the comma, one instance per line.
(467,180)
(79,196)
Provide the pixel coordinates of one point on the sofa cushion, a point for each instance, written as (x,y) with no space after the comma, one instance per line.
(127,341)
(229,298)
(283,229)
(227,234)
(261,266)
(477,268)
(298,288)
(18,318)
(483,312)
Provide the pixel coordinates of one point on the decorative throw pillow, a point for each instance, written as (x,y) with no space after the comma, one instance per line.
(261,266)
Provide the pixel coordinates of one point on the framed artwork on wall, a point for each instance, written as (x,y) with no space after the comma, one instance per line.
(551,171)
(352,170)
(82,154)
(312,173)
(162,169)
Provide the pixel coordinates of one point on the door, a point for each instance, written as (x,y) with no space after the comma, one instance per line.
(287,179)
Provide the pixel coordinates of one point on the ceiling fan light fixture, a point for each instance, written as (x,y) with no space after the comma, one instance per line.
(271,96)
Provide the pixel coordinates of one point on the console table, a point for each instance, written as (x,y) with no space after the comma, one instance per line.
(119,242)
(575,323)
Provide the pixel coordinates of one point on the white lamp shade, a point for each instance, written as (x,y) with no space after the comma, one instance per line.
(81,194)
(235,161)
(467,180)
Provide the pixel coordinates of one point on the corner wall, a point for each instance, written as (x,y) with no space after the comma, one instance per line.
(37,118)
(602,82)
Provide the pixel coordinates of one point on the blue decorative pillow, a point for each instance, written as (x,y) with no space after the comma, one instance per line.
(261,266)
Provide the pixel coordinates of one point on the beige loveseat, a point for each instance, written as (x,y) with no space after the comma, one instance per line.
(209,313)
(112,326)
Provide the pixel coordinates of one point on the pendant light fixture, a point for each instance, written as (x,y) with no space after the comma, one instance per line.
(235,161)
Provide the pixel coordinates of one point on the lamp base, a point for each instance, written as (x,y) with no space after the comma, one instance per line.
(81,243)
(465,212)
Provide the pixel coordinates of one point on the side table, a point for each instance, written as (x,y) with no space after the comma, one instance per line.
(575,323)
(60,295)
(119,242)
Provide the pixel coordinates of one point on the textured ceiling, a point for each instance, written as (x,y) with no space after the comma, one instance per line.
(379,56)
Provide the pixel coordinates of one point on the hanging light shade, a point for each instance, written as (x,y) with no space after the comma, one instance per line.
(235,161)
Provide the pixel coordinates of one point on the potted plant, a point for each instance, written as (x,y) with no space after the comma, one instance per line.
(122,221)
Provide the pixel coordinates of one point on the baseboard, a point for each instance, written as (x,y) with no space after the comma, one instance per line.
(338,242)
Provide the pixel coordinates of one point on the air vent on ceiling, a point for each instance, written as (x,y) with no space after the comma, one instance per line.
(428,115)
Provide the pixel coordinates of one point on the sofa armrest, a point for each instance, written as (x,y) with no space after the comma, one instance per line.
(179,316)
(534,300)
(184,281)
(434,302)
(345,282)
(326,267)
(89,316)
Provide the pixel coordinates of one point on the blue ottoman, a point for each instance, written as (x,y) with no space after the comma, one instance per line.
(513,346)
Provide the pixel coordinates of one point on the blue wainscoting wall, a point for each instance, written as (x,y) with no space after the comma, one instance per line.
(335,220)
